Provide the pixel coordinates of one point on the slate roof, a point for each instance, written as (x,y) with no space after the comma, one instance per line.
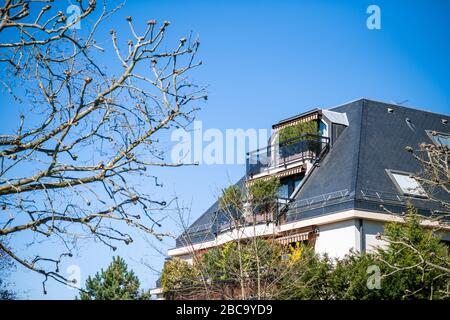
(353,175)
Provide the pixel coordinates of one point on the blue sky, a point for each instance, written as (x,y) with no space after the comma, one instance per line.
(267,60)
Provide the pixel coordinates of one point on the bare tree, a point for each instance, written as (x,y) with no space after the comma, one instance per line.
(251,263)
(6,266)
(435,174)
(86,130)
(434,177)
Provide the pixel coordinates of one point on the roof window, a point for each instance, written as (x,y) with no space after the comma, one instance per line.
(406,183)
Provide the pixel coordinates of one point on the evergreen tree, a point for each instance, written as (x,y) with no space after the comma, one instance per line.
(6,266)
(414,264)
(115,283)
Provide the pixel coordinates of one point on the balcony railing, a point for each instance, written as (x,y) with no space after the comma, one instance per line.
(251,215)
(304,147)
(223,220)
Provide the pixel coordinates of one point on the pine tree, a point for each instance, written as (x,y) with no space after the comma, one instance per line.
(115,283)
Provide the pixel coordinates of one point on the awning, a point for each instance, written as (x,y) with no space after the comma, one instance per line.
(299,237)
(305,117)
(280,174)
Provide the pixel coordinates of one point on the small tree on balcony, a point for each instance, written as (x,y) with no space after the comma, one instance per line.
(291,137)
(232,198)
(263,193)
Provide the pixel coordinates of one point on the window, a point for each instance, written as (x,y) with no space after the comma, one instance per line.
(439,138)
(406,184)
(323,128)
(288,185)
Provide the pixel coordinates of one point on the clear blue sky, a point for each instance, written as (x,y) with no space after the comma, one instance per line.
(267,60)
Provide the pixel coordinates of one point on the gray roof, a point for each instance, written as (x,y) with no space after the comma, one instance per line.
(353,172)
(203,229)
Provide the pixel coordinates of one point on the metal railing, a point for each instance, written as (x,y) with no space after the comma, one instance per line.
(323,200)
(226,219)
(251,215)
(304,147)
(382,196)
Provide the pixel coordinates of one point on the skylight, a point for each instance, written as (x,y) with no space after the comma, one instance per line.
(440,138)
(407,184)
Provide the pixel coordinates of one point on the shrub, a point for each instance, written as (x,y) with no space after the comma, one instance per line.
(288,134)
(231,198)
(263,193)
(305,275)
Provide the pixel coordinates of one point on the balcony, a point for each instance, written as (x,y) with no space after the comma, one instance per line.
(223,220)
(305,147)
(252,214)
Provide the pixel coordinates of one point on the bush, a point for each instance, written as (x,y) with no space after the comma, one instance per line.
(348,279)
(178,274)
(304,276)
(231,199)
(413,265)
(416,263)
(263,194)
(288,134)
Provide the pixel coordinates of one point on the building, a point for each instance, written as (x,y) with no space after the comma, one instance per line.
(339,186)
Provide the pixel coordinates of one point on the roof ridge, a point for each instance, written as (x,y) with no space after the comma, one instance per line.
(362,131)
(388,103)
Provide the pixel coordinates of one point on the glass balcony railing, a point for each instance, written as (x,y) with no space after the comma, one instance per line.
(304,147)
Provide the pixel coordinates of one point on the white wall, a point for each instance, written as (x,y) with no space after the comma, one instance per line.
(336,239)
(371,228)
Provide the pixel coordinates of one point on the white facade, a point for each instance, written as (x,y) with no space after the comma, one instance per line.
(337,239)
(338,233)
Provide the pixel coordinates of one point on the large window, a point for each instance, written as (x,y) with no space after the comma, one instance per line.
(440,138)
(406,184)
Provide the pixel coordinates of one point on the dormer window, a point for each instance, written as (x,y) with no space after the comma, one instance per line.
(439,138)
(406,184)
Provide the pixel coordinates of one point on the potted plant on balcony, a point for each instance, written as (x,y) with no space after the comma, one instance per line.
(295,139)
(263,195)
(231,202)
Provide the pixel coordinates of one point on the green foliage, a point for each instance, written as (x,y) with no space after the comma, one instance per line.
(414,264)
(348,279)
(178,274)
(231,198)
(115,283)
(305,277)
(219,262)
(263,193)
(289,133)
(232,259)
